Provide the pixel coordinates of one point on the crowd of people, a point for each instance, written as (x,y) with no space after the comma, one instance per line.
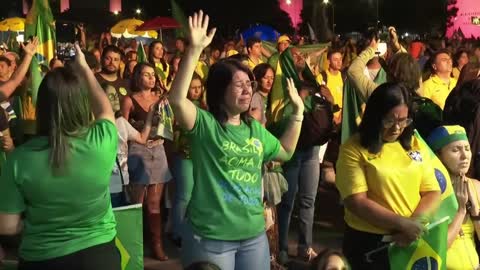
(230,137)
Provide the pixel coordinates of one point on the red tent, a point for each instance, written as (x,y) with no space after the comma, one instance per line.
(159,23)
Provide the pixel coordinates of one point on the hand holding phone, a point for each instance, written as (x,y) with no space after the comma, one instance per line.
(65,40)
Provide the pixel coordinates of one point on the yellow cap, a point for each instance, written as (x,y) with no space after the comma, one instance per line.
(283,38)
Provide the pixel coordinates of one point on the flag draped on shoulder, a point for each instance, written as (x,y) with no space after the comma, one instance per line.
(40,23)
(354,105)
(279,107)
(179,16)
(429,252)
(448,202)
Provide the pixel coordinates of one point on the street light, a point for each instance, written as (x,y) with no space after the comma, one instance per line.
(326,2)
(138,11)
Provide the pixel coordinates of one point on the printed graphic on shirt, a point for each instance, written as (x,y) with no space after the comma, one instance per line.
(242,163)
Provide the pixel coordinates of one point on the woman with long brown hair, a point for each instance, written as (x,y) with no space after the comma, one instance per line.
(147,164)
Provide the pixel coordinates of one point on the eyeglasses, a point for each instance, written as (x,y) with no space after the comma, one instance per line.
(402,123)
(269,78)
(246,84)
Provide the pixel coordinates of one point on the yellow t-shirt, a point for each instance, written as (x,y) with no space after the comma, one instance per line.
(437,90)
(251,64)
(335,85)
(456,72)
(393,178)
(462,253)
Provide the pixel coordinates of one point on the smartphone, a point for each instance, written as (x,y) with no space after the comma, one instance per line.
(65,40)
(381,49)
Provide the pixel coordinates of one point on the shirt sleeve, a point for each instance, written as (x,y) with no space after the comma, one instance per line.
(126,130)
(103,137)
(363,84)
(257,102)
(201,126)
(350,177)
(11,198)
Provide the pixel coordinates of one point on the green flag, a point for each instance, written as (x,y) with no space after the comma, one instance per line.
(141,55)
(448,202)
(129,240)
(177,14)
(429,252)
(354,105)
(279,101)
(40,23)
(36,79)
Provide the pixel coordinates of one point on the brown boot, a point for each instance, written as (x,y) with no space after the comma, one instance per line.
(155,225)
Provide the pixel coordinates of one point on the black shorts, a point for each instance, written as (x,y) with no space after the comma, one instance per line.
(357,243)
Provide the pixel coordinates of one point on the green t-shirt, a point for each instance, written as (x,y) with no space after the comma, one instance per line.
(226,202)
(63,213)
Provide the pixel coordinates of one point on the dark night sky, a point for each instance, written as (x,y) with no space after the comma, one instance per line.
(229,15)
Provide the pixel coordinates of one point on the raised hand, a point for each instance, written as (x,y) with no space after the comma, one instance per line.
(460,186)
(31,47)
(393,34)
(394,38)
(296,100)
(198,24)
(80,57)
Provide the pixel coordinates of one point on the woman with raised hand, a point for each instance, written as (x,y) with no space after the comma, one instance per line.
(54,188)
(226,225)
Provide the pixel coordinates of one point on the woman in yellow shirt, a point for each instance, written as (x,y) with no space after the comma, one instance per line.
(451,145)
(156,52)
(383,179)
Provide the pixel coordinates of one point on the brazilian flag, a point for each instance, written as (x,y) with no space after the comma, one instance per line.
(427,253)
(279,107)
(448,202)
(40,23)
(354,105)
(129,240)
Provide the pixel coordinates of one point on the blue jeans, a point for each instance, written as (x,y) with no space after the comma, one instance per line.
(183,174)
(302,173)
(249,254)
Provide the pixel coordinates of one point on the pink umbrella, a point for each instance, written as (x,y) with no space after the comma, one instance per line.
(159,23)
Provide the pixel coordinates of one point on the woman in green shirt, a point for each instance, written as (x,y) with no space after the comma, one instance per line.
(226,225)
(58,181)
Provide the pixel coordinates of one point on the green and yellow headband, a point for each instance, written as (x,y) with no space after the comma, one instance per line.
(444,135)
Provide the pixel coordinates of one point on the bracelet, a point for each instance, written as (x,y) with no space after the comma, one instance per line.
(296,117)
